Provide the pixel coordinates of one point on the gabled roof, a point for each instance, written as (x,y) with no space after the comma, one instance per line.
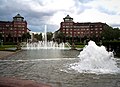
(18,16)
(68,17)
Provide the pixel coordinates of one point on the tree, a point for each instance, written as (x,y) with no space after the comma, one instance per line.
(49,36)
(26,36)
(116,33)
(60,36)
(107,33)
(9,37)
(0,36)
(110,33)
(38,36)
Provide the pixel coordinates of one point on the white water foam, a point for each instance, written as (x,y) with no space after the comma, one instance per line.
(95,59)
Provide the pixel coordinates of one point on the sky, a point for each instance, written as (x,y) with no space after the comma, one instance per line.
(39,13)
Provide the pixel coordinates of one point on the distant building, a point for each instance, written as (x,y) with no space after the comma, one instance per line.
(13,30)
(79,31)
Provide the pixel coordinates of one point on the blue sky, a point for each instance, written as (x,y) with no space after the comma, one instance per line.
(51,12)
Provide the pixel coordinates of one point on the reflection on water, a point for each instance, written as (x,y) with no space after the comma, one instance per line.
(44,54)
(49,67)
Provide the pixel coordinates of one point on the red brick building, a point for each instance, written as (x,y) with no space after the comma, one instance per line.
(82,30)
(13,30)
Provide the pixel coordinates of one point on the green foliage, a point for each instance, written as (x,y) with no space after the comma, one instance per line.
(110,33)
(79,46)
(59,36)
(49,36)
(26,36)
(4,47)
(9,43)
(0,36)
(38,36)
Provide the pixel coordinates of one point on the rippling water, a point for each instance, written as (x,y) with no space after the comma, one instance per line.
(49,66)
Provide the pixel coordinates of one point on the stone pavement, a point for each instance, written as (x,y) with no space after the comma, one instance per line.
(5,53)
(12,82)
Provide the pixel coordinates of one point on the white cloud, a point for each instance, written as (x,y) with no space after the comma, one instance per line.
(52,12)
(110,5)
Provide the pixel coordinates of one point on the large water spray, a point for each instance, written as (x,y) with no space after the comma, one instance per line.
(46,44)
(95,59)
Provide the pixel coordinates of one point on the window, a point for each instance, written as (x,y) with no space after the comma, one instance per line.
(15,25)
(67,32)
(22,31)
(100,28)
(96,28)
(19,31)
(7,25)
(19,25)
(19,35)
(63,26)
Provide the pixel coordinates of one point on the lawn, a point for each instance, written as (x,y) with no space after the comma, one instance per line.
(79,46)
(6,47)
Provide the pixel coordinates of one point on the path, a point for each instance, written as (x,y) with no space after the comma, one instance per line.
(5,53)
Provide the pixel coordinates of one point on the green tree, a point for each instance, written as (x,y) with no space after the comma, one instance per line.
(38,36)
(107,33)
(26,36)
(0,36)
(49,36)
(116,33)
(110,33)
(59,36)
(9,37)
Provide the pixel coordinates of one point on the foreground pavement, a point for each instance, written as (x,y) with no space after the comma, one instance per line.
(5,53)
(12,82)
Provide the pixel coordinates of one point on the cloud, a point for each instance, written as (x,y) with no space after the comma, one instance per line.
(115,25)
(107,11)
(85,1)
(51,12)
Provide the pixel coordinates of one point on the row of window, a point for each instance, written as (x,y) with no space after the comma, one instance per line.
(11,25)
(19,35)
(82,29)
(13,32)
(82,32)
(82,35)
(67,23)
(19,25)
(16,28)
(80,26)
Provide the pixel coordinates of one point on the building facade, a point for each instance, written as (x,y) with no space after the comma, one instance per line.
(78,31)
(13,30)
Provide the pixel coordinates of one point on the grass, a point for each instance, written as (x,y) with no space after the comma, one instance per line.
(79,46)
(4,47)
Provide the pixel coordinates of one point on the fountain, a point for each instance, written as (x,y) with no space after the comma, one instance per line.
(95,67)
(95,59)
(45,44)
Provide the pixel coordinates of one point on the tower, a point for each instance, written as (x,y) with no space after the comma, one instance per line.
(18,18)
(68,19)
